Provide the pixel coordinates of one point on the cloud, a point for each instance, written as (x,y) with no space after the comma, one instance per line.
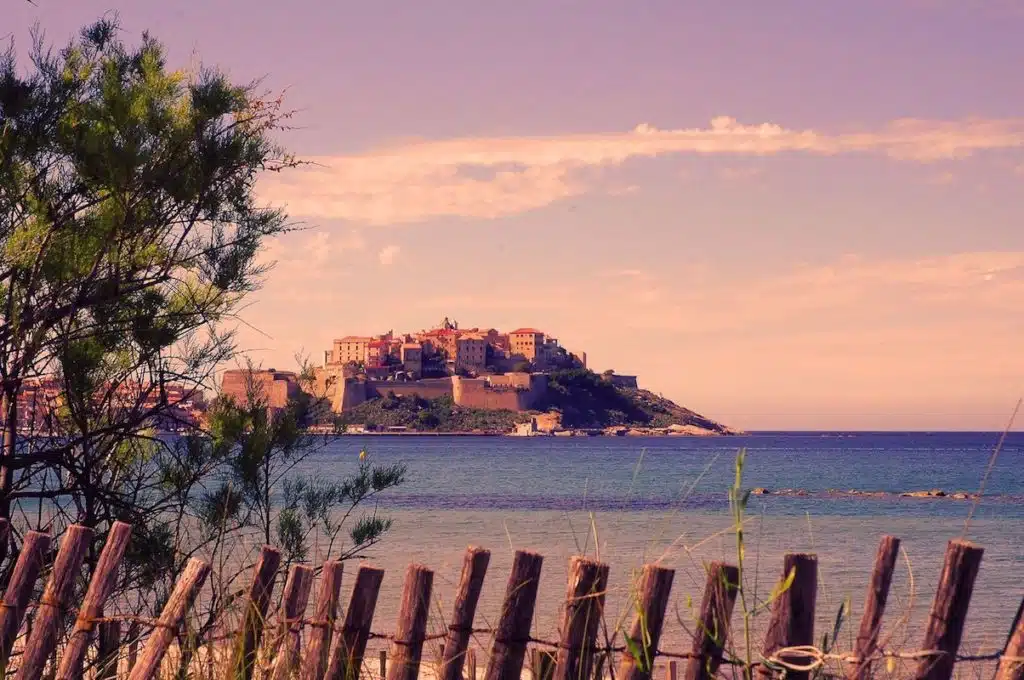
(942,178)
(740,173)
(498,176)
(388,254)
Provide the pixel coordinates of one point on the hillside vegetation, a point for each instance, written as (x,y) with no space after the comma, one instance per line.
(429,415)
(587,400)
(583,398)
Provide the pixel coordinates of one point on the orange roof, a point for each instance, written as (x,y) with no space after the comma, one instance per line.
(524,331)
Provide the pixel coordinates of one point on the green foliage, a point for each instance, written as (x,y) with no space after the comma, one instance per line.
(429,415)
(129,230)
(586,400)
(265,446)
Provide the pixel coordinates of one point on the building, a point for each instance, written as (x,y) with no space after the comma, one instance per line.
(377,354)
(277,387)
(411,356)
(351,349)
(470,353)
(527,343)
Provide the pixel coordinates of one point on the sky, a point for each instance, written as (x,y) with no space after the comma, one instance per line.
(786,215)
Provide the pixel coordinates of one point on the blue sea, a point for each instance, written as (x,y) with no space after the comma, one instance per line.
(634,500)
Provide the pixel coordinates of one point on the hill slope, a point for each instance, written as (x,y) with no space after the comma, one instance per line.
(586,400)
(583,399)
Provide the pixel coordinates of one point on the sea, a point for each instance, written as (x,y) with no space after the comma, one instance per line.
(629,501)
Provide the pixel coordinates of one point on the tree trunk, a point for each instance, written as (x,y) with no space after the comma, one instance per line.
(10,412)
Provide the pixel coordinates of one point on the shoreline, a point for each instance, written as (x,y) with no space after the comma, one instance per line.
(561,434)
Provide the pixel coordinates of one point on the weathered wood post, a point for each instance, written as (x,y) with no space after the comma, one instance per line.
(134,634)
(187,586)
(59,587)
(383,663)
(949,610)
(713,628)
(874,607)
(19,590)
(1011,665)
(296,596)
(470,664)
(652,600)
(244,657)
(326,613)
(102,584)
(407,647)
(108,650)
(513,633)
(474,568)
(349,647)
(584,608)
(5,539)
(792,620)
(671,670)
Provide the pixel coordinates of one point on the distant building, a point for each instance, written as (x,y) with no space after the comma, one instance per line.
(377,354)
(351,349)
(470,353)
(411,356)
(526,343)
(277,387)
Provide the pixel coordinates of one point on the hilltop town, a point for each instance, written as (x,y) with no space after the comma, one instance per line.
(470,379)
(446,379)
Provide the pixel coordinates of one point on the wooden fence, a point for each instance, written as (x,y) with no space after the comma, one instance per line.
(583,651)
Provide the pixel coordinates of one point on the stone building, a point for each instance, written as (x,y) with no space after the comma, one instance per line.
(277,387)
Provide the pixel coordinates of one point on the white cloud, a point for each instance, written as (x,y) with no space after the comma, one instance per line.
(388,254)
(493,177)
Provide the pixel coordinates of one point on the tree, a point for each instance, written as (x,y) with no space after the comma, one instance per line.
(129,238)
(128,235)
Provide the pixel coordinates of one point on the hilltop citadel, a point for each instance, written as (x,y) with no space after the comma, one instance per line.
(476,368)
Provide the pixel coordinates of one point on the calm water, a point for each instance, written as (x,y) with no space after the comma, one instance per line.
(632,500)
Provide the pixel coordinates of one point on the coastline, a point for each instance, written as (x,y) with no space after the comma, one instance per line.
(513,434)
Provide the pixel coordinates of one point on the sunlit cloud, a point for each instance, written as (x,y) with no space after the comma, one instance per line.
(494,177)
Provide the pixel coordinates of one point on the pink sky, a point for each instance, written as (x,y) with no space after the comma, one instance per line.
(791,215)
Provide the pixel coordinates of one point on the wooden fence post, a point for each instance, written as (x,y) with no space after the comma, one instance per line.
(185,590)
(407,647)
(108,650)
(349,647)
(513,632)
(652,600)
(296,596)
(874,607)
(382,659)
(474,568)
(61,584)
(5,539)
(671,670)
(584,608)
(134,633)
(244,657)
(792,620)
(19,590)
(949,610)
(470,664)
(713,628)
(1011,666)
(323,626)
(104,579)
